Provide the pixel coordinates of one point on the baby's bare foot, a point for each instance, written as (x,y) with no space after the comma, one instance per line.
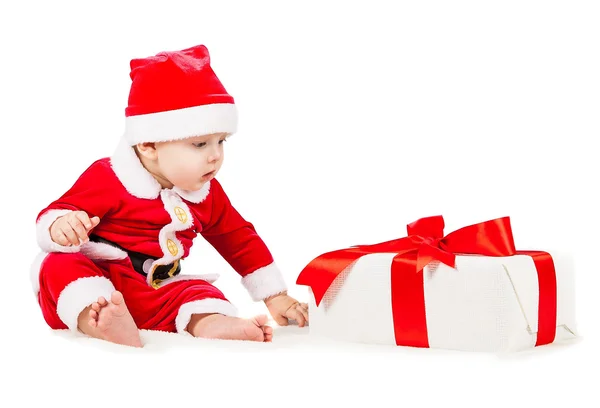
(95,309)
(111,321)
(217,326)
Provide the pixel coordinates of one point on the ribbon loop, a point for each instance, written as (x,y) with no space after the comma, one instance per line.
(427,227)
(489,238)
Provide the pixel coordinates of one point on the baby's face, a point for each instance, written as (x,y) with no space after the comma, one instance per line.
(190,163)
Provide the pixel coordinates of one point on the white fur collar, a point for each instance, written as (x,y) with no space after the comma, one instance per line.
(139,183)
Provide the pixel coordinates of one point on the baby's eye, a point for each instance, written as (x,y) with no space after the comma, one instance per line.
(222,141)
(200,144)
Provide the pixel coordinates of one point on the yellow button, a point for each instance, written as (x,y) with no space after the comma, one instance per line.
(172,247)
(181,214)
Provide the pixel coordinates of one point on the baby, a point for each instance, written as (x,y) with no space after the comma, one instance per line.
(113,243)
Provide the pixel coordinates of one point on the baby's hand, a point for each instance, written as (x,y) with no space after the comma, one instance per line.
(72,228)
(283,307)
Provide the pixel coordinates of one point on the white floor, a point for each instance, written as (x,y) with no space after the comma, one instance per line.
(63,370)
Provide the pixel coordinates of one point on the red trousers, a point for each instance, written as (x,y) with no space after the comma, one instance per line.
(69,282)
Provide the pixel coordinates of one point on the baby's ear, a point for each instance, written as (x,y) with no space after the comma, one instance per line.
(147,150)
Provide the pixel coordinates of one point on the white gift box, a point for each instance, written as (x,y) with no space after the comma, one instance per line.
(484,304)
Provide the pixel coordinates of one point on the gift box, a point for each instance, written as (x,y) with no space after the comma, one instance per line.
(470,290)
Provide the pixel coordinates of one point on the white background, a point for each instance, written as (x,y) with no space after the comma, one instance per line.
(356,118)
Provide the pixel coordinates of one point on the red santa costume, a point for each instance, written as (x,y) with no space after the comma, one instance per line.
(146,230)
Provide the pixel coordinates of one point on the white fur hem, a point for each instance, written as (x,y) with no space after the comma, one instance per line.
(264,282)
(210,305)
(43,233)
(34,274)
(139,183)
(78,295)
(130,172)
(210,278)
(181,123)
(194,196)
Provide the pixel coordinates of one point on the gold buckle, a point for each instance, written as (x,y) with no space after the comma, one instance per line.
(173,269)
(155,282)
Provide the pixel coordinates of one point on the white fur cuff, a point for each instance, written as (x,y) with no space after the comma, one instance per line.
(101,251)
(210,305)
(78,295)
(43,233)
(264,282)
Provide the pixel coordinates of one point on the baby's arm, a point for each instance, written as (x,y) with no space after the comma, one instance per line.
(89,195)
(240,245)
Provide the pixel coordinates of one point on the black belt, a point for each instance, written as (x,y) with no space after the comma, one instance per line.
(161,272)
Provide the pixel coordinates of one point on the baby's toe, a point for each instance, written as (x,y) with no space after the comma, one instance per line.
(102,301)
(260,320)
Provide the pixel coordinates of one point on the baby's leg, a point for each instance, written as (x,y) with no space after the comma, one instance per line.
(218,326)
(193,306)
(71,287)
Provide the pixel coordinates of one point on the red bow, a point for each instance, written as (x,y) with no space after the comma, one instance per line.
(425,240)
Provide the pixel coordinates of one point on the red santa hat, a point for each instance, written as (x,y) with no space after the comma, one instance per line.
(175,95)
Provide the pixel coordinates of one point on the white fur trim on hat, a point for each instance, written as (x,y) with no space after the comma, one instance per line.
(181,123)
(264,282)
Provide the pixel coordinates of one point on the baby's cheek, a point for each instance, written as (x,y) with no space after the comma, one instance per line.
(189,168)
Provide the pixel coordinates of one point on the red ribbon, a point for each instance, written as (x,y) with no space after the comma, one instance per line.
(426,243)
